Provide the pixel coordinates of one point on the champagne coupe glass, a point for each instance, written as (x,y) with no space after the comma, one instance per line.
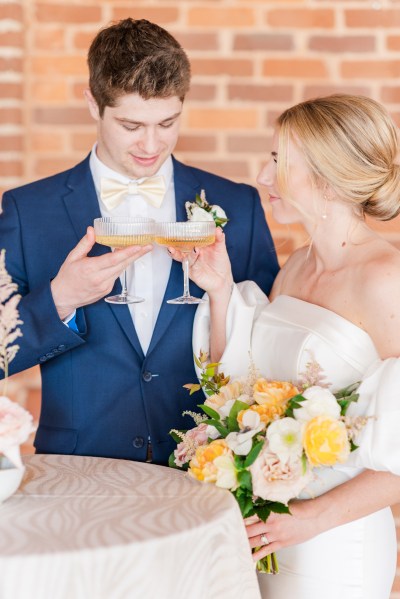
(185,236)
(119,232)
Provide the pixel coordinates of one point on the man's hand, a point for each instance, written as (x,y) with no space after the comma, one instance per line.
(82,280)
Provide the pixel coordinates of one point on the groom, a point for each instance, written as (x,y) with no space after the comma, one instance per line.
(112,376)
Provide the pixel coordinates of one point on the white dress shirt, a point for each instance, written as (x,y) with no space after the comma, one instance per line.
(148,276)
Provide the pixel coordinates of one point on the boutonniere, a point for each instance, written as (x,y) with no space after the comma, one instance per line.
(201,210)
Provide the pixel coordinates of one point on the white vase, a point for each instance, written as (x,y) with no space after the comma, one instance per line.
(10,478)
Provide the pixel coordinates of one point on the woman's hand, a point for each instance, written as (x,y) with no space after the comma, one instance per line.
(282,530)
(209,267)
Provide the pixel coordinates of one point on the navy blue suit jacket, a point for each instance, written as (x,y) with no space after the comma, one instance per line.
(100,395)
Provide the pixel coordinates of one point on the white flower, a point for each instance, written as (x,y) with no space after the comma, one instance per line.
(285,439)
(319,402)
(226,472)
(196,213)
(241,442)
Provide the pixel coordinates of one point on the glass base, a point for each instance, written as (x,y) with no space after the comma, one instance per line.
(123,299)
(187,299)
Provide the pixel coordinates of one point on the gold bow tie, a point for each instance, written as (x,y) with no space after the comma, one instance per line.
(112,192)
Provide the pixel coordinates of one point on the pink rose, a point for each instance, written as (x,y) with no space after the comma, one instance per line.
(274,480)
(194,437)
(15,427)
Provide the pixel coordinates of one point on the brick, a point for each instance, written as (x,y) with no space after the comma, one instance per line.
(342,43)
(64,13)
(46,166)
(376,69)
(42,141)
(10,168)
(50,92)
(393,42)
(11,143)
(12,91)
(11,116)
(198,41)
(83,39)
(196,143)
(49,38)
(11,64)
(159,15)
(12,10)
(221,118)
(78,88)
(301,18)
(13,39)
(209,16)
(220,66)
(296,67)
(83,142)
(233,170)
(314,91)
(62,116)
(271,117)
(248,144)
(260,93)
(372,19)
(202,92)
(59,66)
(390,95)
(263,41)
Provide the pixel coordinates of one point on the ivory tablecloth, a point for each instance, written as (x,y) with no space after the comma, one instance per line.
(95,528)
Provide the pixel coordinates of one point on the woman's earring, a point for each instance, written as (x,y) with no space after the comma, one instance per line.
(324,214)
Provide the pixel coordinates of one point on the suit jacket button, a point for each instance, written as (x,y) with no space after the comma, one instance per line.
(147,376)
(138,442)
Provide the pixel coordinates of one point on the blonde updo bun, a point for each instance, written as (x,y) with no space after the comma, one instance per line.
(351,145)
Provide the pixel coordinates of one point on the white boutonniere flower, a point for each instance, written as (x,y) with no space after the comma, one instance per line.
(201,210)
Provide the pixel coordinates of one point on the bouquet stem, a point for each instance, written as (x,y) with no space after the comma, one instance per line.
(268,564)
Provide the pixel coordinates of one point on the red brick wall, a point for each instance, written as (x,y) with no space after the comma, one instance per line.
(251,59)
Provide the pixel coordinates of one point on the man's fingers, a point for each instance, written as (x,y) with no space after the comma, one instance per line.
(84,246)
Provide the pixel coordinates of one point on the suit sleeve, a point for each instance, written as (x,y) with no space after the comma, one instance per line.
(44,335)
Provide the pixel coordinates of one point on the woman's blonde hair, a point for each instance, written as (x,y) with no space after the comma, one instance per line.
(351,146)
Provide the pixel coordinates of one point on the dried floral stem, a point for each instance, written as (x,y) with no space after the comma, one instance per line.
(9,319)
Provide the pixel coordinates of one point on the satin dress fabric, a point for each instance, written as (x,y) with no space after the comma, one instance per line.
(352,561)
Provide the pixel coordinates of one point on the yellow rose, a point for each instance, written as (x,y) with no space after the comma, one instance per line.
(202,466)
(325,441)
(273,394)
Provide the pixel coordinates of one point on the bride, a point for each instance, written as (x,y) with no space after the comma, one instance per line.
(334,161)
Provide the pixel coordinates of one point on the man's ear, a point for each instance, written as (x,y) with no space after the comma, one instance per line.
(92,104)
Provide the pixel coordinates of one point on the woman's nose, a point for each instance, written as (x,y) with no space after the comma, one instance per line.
(266,175)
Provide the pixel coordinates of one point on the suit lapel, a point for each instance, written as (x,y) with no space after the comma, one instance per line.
(186,187)
(82,206)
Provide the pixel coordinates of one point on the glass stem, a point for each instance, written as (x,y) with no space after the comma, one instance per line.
(185,267)
(124,291)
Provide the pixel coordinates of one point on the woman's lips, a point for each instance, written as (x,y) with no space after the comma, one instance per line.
(273,198)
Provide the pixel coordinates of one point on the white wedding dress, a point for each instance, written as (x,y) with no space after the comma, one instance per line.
(356,560)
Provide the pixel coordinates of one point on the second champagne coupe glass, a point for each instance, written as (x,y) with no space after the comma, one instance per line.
(184,237)
(119,232)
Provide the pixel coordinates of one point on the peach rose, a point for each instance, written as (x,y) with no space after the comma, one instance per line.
(274,480)
(325,441)
(273,396)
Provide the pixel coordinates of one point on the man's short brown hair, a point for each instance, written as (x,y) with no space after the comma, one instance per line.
(136,56)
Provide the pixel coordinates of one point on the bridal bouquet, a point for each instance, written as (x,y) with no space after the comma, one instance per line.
(261,438)
(15,422)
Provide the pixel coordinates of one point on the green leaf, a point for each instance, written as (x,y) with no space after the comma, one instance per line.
(279,508)
(346,391)
(197,361)
(193,387)
(223,431)
(253,454)
(244,479)
(171,462)
(353,446)
(209,411)
(237,407)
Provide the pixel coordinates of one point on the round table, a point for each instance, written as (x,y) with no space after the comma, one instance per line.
(96,528)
